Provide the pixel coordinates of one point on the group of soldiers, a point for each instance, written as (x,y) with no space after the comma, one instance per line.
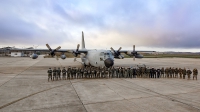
(119,72)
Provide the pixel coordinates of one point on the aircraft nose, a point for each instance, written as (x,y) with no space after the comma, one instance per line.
(109,62)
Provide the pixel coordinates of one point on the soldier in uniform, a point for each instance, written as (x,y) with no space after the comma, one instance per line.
(54,73)
(184,73)
(81,72)
(137,72)
(68,72)
(85,73)
(170,72)
(131,72)
(128,73)
(162,72)
(49,74)
(98,72)
(143,71)
(110,72)
(134,72)
(58,73)
(189,72)
(158,73)
(64,73)
(195,73)
(176,72)
(166,72)
(180,73)
(117,72)
(122,72)
(93,72)
(78,73)
(113,70)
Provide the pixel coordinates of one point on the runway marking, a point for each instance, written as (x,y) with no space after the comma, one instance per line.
(29,96)
(20,73)
(78,96)
(166,96)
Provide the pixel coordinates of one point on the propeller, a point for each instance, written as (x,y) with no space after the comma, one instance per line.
(134,53)
(52,52)
(117,53)
(76,52)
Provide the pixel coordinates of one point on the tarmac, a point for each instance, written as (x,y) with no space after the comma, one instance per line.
(24,88)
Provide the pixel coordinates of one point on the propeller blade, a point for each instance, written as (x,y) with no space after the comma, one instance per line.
(113,50)
(58,48)
(48,47)
(134,58)
(134,48)
(119,49)
(78,47)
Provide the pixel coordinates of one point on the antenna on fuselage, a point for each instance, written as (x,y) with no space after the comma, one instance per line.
(83,42)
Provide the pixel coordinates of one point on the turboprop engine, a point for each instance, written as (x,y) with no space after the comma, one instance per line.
(134,53)
(63,56)
(34,56)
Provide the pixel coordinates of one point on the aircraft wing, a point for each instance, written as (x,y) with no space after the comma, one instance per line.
(47,50)
(126,51)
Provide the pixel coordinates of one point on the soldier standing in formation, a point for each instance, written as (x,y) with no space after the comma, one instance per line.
(184,73)
(64,73)
(119,72)
(195,73)
(49,74)
(189,72)
(54,73)
(58,74)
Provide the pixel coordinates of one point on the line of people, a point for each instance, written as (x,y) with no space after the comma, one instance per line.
(119,72)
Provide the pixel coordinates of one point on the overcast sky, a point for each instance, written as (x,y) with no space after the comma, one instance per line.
(162,25)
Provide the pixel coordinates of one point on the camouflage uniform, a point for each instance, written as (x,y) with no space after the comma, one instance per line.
(117,72)
(158,73)
(162,72)
(128,73)
(85,73)
(58,74)
(170,72)
(113,71)
(148,72)
(81,72)
(166,73)
(78,73)
(184,73)
(49,74)
(143,72)
(69,72)
(98,72)
(131,72)
(137,72)
(54,73)
(195,73)
(180,73)
(189,72)
(102,72)
(110,72)
(93,73)
(176,71)
(64,73)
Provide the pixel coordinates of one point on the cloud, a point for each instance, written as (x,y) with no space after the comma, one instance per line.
(150,23)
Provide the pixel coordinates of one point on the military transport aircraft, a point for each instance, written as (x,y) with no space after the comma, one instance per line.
(96,58)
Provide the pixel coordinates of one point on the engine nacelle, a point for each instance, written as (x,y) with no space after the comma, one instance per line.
(63,56)
(139,56)
(34,56)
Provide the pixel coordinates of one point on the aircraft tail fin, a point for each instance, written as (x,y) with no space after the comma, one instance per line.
(83,41)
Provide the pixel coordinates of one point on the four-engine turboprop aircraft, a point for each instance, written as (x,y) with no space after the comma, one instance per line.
(97,58)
